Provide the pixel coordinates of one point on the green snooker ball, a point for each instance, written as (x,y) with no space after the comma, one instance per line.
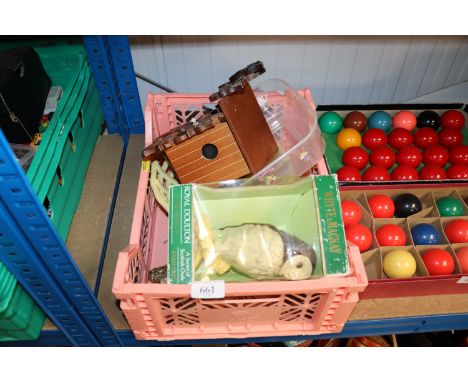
(330,122)
(449,206)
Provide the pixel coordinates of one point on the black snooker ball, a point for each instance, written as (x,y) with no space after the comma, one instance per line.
(407,204)
(428,118)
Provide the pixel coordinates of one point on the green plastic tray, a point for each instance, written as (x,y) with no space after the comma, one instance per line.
(59,175)
(57,171)
(20,317)
(59,167)
(31,332)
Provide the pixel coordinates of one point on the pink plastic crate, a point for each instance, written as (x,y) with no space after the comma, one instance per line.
(164,112)
(267,308)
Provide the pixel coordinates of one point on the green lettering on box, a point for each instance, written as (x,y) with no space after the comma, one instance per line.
(333,236)
(180,269)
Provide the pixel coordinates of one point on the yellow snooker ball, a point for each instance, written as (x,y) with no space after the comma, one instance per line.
(399,264)
(347,138)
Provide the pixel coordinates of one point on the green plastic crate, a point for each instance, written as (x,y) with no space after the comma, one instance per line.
(20,317)
(57,171)
(59,167)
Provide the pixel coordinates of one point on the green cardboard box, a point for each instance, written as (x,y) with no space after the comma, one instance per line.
(308,208)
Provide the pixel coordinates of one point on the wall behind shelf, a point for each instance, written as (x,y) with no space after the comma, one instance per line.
(338,69)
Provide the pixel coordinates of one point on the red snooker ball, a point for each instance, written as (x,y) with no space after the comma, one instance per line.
(438,262)
(359,235)
(462,256)
(382,156)
(459,155)
(436,156)
(399,138)
(457,171)
(376,173)
(348,174)
(351,212)
(457,231)
(450,137)
(374,138)
(425,137)
(452,119)
(390,235)
(431,172)
(355,157)
(404,173)
(404,119)
(409,156)
(381,206)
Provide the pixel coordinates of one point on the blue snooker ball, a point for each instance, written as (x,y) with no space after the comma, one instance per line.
(425,234)
(380,120)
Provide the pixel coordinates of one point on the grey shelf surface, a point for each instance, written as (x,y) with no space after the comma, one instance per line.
(89,223)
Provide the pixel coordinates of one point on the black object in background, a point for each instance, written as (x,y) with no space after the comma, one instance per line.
(24,86)
(435,339)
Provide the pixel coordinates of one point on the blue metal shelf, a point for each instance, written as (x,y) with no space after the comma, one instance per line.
(31,248)
(24,263)
(386,326)
(111,63)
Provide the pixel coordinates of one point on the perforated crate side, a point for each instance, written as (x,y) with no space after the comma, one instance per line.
(164,112)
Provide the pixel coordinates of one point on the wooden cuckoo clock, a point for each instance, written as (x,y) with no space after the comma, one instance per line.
(231,142)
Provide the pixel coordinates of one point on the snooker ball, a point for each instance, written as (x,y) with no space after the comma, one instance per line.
(380,120)
(462,257)
(438,262)
(459,155)
(360,235)
(355,157)
(436,156)
(404,119)
(452,119)
(348,174)
(404,173)
(457,171)
(406,205)
(428,118)
(399,264)
(381,206)
(355,120)
(390,235)
(399,138)
(351,212)
(425,137)
(330,122)
(347,138)
(374,138)
(449,206)
(425,234)
(431,172)
(457,231)
(382,156)
(409,156)
(376,173)
(450,137)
